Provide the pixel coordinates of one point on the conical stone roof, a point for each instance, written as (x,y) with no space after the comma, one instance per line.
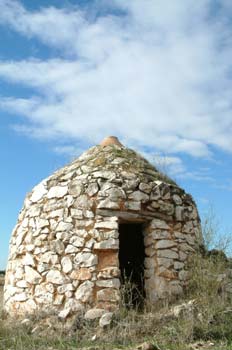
(110,161)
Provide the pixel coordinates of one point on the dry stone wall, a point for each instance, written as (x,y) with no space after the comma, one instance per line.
(64,248)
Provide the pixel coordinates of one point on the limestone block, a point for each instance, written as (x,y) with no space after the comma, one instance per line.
(108,204)
(163,244)
(76,213)
(64,226)
(158,234)
(81,274)
(138,196)
(130,184)
(108,175)
(92,314)
(106,224)
(167,253)
(90,243)
(179,213)
(65,288)
(88,214)
(56,213)
(109,283)
(106,319)
(28,260)
(57,192)
(150,251)
(84,292)
(21,233)
(42,296)
(155,194)
(107,259)
(132,205)
(86,259)
(70,249)
(56,277)
(144,187)
(38,192)
(167,208)
(76,306)
(40,223)
(75,188)
(34,210)
(77,241)
(32,276)
(92,189)
(110,243)
(83,202)
(48,257)
(184,247)
(108,295)
(66,264)
(149,263)
(115,193)
(64,313)
(159,224)
(182,256)
(109,272)
(57,246)
(178,265)
(22,284)
(20,297)
(177,200)
(165,262)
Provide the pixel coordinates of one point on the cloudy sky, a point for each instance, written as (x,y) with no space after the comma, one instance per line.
(156,73)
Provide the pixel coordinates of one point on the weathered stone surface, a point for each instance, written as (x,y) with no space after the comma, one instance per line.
(38,192)
(66,264)
(106,319)
(163,244)
(85,259)
(55,277)
(167,253)
(106,224)
(108,204)
(108,295)
(57,192)
(132,205)
(81,274)
(92,314)
(107,244)
(32,276)
(84,293)
(139,196)
(159,224)
(109,283)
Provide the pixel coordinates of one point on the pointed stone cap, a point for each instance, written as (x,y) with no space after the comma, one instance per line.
(111,140)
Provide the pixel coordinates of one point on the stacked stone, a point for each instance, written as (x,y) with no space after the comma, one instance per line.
(64,248)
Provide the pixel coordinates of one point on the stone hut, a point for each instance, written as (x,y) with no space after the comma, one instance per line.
(106,217)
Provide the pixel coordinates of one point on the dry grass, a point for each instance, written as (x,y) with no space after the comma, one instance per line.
(1,291)
(208,322)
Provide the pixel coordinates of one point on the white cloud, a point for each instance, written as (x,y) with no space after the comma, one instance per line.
(157,75)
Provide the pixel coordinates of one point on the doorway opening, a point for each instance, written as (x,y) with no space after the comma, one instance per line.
(131,263)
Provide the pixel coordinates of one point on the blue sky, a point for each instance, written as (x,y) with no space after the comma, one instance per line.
(155,73)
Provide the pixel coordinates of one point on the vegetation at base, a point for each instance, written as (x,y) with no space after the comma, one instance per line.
(204,316)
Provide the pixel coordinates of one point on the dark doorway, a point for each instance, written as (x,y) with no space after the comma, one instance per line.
(131,262)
